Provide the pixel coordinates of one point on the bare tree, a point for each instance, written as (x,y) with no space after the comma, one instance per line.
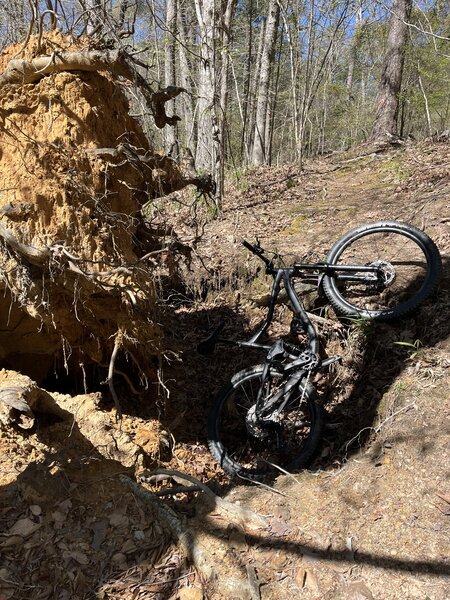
(259,153)
(170,68)
(214,21)
(385,124)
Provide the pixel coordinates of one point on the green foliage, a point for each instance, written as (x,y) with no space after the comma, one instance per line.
(412,348)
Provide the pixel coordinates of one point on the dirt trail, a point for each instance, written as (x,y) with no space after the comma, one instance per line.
(366,522)
(370,520)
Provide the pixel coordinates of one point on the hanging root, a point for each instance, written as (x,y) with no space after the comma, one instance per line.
(110,379)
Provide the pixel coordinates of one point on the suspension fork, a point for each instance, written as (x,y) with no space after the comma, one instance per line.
(285,392)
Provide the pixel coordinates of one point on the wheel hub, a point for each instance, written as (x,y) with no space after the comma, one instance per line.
(259,428)
(385,275)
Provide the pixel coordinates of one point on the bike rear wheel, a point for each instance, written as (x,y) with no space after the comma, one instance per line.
(289,443)
(409,264)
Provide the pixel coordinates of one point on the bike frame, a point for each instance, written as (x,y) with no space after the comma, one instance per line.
(317,272)
(301,361)
(308,360)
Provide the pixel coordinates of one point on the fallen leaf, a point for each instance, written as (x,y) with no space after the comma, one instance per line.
(77,556)
(12,540)
(128,547)
(278,528)
(118,520)
(99,528)
(190,593)
(359,591)
(24,527)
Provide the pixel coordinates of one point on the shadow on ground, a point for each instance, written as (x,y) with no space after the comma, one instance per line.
(74,471)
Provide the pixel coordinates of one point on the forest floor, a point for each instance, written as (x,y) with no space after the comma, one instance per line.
(367,521)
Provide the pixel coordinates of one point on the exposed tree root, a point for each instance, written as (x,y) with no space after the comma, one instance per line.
(118,62)
(208,569)
(238,514)
(110,379)
(35,256)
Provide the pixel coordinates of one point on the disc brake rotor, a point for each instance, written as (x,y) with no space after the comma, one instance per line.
(385,275)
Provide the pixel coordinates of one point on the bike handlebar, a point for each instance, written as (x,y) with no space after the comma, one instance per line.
(252,248)
(257,250)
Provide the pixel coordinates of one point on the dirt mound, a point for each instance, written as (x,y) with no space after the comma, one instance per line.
(76,255)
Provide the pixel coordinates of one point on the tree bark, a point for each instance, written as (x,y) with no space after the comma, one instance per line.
(185,78)
(226,27)
(260,154)
(385,125)
(205,156)
(213,87)
(170,71)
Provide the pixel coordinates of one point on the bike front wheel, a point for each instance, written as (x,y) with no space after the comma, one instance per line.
(251,452)
(408,264)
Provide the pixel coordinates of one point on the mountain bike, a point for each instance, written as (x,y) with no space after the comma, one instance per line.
(267,418)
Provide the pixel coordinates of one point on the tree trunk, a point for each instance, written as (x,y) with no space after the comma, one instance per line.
(169,71)
(353,52)
(244,149)
(206,152)
(253,92)
(215,26)
(227,20)
(185,79)
(260,154)
(385,125)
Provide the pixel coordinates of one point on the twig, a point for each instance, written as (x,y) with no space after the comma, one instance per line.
(30,29)
(322,320)
(379,427)
(253,582)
